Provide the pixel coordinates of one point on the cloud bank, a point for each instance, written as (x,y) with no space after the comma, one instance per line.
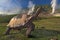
(9,7)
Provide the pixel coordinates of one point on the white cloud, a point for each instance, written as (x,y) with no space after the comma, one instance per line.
(30,4)
(31,7)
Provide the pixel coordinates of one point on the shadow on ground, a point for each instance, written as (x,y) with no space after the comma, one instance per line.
(40,33)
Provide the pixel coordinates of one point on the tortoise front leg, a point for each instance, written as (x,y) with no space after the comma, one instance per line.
(30,28)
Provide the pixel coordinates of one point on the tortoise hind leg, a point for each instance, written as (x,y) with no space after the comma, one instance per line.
(8,31)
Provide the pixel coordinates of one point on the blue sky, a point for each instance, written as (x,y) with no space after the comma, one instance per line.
(16,5)
(24,3)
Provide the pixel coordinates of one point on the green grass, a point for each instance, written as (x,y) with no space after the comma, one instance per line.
(45,29)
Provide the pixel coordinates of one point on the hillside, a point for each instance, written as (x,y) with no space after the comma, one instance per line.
(45,28)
